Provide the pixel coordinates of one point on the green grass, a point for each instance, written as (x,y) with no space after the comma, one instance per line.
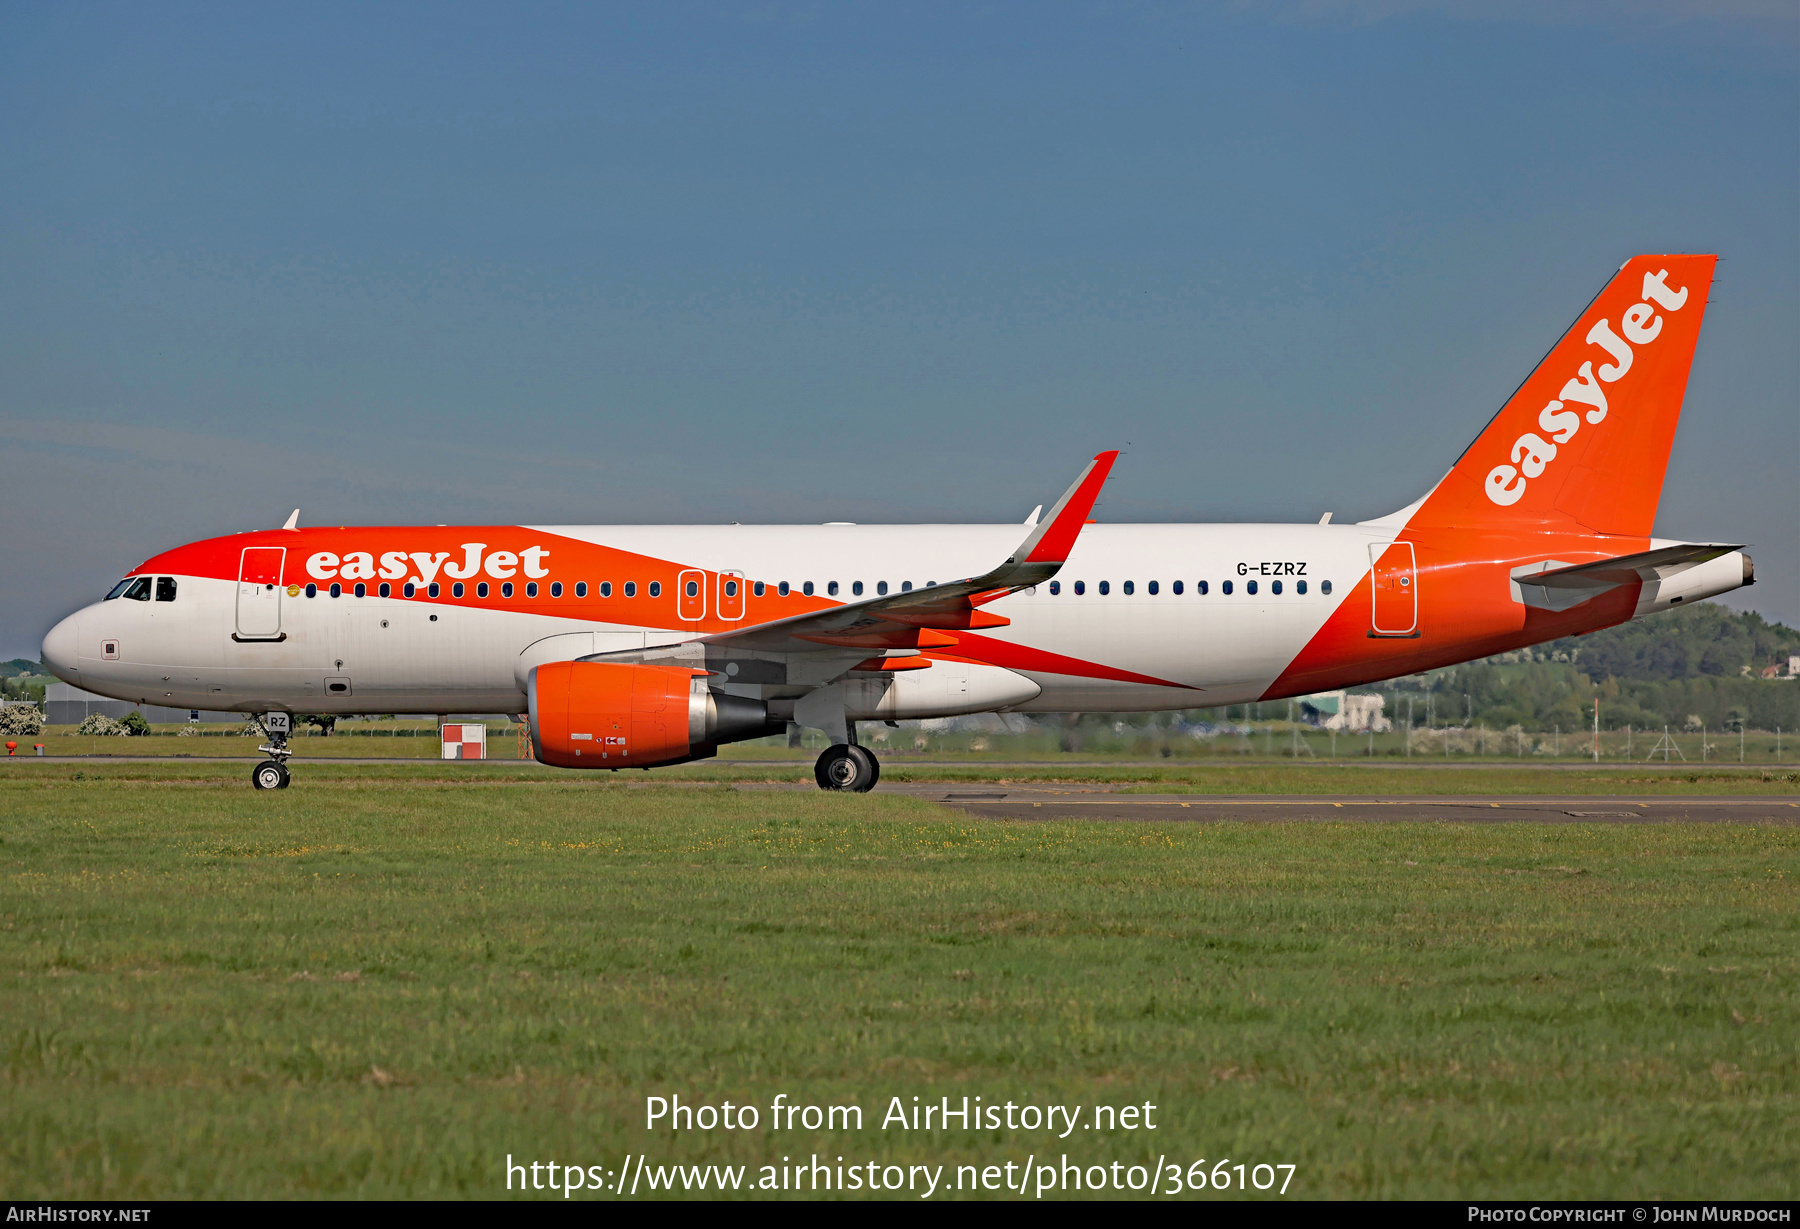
(1254,777)
(384,980)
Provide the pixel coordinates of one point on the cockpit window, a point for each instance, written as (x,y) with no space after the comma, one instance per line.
(165,588)
(119,588)
(137,589)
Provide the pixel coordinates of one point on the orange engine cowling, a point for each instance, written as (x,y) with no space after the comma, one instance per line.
(591,714)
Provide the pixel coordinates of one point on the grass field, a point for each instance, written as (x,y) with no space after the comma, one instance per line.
(321,761)
(386,979)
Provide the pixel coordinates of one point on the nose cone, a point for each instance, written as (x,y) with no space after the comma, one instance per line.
(60,649)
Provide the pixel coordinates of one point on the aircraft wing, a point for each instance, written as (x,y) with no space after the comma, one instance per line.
(922,618)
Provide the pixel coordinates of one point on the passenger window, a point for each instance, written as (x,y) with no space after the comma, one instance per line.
(1080,587)
(337,590)
(139,589)
(881,588)
(555,588)
(1224,588)
(606,588)
(730,589)
(1105,587)
(831,589)
(387,590)
(313,591)
(362,590)
(906,586)
(456,590)
(580,589)
(481,589)
(1129,588)
(531,588)
(433,589)
(1274,587)
(410,589)
(856,587)
(506,589)
(630,588)
(693,588)
(782,589)
(807,588)
(1325,587)
(759,588)
(165,588)
(1250,588)
(656,588)
(1176,588)
(1152,587)
(1300,587)
(1055,587)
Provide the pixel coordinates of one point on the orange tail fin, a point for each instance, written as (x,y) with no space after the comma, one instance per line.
(1586,438)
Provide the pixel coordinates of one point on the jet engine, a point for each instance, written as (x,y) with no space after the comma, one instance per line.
(592,714)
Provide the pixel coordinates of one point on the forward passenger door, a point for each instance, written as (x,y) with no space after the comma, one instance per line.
(259,593)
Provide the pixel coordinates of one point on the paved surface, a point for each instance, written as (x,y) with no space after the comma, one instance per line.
(1030,802)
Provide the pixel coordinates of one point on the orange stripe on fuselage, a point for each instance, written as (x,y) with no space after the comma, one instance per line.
(565,560)
(984,650)
(1466,610)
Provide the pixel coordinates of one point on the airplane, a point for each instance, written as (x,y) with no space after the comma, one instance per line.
(644,645)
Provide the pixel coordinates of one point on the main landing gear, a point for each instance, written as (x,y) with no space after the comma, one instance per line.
(846,766)
(272,773)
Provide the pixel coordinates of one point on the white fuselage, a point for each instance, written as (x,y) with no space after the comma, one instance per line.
(1142,617)
(410,656)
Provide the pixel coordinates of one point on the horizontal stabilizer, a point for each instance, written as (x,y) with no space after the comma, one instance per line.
(1553,585)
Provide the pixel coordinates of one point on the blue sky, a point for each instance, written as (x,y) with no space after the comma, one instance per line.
(772,262)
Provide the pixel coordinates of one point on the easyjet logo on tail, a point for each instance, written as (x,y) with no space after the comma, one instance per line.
(1531,452)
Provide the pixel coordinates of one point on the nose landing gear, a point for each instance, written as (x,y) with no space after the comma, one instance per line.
(847,767)
(272,773)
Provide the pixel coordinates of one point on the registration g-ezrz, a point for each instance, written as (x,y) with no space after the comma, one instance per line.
(1273,567)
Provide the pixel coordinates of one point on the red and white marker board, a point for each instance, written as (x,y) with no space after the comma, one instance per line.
(464,742)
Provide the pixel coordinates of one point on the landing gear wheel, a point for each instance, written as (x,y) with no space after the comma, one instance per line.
(270,774)
(847,768)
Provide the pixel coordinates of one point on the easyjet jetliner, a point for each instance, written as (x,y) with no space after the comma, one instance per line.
(633,646)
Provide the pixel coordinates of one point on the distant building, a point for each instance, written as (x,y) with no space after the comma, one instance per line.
(66,705)
(1339,710)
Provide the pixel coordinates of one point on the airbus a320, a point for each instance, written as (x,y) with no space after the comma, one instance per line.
(642,645)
